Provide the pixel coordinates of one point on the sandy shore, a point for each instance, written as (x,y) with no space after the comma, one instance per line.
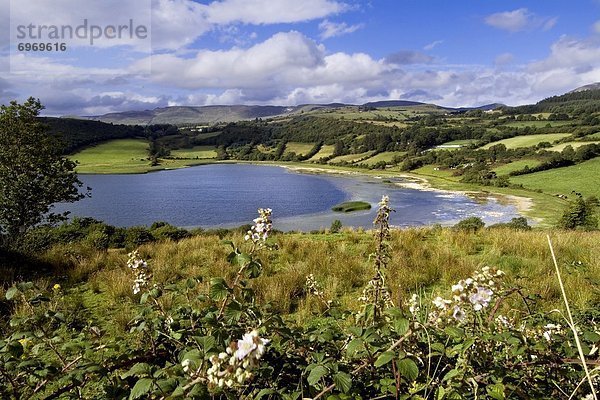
(522,204)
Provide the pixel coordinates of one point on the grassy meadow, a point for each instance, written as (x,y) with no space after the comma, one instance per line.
(423,260)
(585,177)
(130,156)
(528,140)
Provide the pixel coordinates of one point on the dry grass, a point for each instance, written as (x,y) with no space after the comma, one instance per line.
(425,260)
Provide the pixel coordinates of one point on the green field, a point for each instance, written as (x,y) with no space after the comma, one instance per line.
(351,157)
(432,170)
(298,148)
(582,178)
(386,156)
(575,145)
(528,140)
(126,155)
(196,152)
(515,166)
(123,156)
(463,142)
(326,151)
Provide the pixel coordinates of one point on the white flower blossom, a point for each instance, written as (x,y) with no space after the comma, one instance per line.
(259,232)
(481,298)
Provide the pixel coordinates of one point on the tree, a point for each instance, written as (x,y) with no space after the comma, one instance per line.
(33,172)
(580,214)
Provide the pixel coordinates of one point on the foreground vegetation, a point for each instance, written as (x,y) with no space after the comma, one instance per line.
(315,316)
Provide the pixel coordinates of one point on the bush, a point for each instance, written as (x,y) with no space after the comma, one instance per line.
(580,214)
(472,224)
(336,225)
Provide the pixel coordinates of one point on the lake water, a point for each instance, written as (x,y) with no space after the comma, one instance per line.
(228,195)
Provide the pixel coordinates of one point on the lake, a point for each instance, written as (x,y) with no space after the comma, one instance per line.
(228,195)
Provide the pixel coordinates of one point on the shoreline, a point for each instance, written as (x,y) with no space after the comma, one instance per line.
(522,204)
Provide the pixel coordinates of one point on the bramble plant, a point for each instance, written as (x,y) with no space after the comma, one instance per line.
(205,338)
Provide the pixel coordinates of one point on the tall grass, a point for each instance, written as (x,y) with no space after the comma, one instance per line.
(422,260)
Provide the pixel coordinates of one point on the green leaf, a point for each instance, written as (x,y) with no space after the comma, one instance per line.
(354,347)
(450,374)
(233,311)
(316,374)
(206,342)
(141,388)
(384,358)
(139,370)
(343,381)
(11,293)
(401,326)
(441,392)
(218,289)
(264,392)
(496,391)
(241,259)
(454,332)
(591,336)
(408,369)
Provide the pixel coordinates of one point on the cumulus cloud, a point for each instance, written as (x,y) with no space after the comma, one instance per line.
(405,57)
(332,29)
(519,20)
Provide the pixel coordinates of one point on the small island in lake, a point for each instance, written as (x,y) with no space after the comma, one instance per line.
(349,206)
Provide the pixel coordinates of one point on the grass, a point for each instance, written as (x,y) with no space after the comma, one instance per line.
(326,151)
(350,206)
(564,180)
(350,158)
(127,155)
(528,140)
(196,152)
(386,156)
(299,148)
(463,142)
(422,259)
(123,156)
(575,145)
(515,166)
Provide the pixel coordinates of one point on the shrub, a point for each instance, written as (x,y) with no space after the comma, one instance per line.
(470,224)
(336,225)
(580,214)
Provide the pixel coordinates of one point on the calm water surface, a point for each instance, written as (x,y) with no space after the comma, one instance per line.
(228,195)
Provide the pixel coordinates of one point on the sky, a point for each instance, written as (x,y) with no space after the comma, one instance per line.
(288,52)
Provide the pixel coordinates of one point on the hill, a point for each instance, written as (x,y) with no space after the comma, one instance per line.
(591,86)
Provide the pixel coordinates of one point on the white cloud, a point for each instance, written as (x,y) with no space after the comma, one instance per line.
(270,12)
(332,29)
(520,20)
(504,59)
(432,45)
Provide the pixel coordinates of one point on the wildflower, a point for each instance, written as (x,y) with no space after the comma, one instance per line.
(139,268)
(458,288)
(413,304)
(234,365)
(312,286)
(481,298)
(56,287)
(261,228)
(458,313)
(440,303)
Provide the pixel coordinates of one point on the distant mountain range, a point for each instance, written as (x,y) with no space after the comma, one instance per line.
(180,115)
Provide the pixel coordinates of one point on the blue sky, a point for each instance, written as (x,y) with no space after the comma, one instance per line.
(453,53)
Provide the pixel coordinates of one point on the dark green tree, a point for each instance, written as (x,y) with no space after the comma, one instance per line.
(33,173)
(580,214)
